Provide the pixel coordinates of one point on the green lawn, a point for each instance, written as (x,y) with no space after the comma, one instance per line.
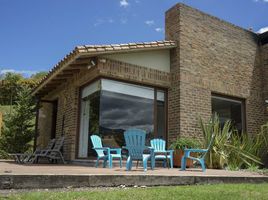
(221,191)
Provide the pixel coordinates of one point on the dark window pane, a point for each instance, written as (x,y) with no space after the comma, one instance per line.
(119,112)
(94,116)
(89,122)
(161,129)
(229,109)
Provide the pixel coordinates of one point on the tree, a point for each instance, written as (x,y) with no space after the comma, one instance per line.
(11,83)
(18,130)
(9,88)
(38,76)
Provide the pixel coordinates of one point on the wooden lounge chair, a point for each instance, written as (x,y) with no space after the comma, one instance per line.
(52,154)
(200,159)
(161,153)
(22,158)
(105,153)
(135,144)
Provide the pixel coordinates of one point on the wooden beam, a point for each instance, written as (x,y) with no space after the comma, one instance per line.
(82,61)
(77,66)
(55,82)
(64,75)
(59,78)
(71,70)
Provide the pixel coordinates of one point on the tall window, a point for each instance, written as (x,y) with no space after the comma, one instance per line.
(229,109)
(108,108)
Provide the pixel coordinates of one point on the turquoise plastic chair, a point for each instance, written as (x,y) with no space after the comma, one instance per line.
(159,146)
(105,153)
(201,159)
(135,144)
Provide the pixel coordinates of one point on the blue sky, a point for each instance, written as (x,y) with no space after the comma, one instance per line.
(36,34)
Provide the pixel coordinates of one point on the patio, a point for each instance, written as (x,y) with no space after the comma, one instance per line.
(17,176)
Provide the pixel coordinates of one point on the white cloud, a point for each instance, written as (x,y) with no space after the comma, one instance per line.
(99,22)
(265,1)
(149,22)
(103,21)
(123,20)
(26,73)
(124,3)
(111,21)
(264,29)
(159,29)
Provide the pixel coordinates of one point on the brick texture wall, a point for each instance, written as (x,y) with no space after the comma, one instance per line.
(212,56)
(265,75)
(68,98)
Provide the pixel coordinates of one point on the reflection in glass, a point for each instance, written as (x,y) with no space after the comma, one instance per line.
(89,122)
(161,129)
(120,112)
(229,109)
(108,108)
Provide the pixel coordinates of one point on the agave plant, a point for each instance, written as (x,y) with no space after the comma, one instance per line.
(229,149)
(243,151)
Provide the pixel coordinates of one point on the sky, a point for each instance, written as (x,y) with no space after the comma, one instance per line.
(36,34)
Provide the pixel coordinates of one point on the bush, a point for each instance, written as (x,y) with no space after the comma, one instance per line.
(229,149)
(183,142)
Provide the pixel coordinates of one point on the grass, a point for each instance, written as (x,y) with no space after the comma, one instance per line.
(219,191)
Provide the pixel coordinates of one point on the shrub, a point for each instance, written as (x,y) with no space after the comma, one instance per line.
(185,142)
(229,149)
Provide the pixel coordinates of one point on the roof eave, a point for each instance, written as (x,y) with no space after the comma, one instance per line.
(88,51)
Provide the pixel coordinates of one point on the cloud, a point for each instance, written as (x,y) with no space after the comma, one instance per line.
(265,1)
(110,21)
(149,22)
(26,73)
(123,20)
(159,29)
(264,29)
(124,3)
(99,22)
(103,21)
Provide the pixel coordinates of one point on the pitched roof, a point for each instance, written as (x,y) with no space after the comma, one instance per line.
(95,50)
(124,47)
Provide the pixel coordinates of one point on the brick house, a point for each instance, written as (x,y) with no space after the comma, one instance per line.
(205,65)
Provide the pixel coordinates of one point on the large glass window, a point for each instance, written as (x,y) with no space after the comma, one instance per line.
(108,108)
(229,109)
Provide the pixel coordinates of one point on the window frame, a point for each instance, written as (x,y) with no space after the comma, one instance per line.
(242,101)
(156,88)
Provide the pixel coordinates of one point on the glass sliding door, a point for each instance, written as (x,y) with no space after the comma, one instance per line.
(89,118)
(125,106)
(160,115)
(84,123)
(109,107)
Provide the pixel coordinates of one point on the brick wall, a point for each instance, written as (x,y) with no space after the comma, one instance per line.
(265,75)
(211,56)
(68,98)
